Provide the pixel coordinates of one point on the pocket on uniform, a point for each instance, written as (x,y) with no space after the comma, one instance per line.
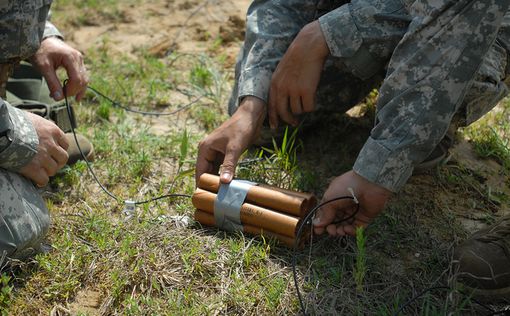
(494,66)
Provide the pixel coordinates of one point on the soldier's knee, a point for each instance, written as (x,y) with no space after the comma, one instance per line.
(24,218)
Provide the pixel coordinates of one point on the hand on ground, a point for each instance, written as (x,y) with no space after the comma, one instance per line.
(226,144)
(295,80)
(372,199)
(55,53)
(51,151)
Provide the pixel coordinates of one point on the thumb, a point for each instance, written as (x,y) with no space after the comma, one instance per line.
(48,71)
(228,167)
(324,217)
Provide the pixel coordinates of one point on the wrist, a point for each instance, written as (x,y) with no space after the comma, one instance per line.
(313,36)
(254,105)
(52,37)
(369,186)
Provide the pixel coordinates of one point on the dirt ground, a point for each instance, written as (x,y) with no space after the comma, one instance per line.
(163,26)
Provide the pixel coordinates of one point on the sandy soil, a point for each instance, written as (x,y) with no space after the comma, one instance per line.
(166,25)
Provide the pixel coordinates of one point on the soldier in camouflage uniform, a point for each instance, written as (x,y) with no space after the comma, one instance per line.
(439,62)
(31,148)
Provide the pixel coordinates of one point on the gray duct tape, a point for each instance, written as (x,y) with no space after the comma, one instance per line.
(227,206)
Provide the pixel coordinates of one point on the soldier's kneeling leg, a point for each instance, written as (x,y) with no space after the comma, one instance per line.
(24,218)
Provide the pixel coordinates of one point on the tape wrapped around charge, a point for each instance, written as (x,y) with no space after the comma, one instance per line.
(228,203)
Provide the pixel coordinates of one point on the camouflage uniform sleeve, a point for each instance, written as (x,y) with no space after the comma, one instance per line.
(428,76)
(339,30)
(270,28)
(51,30)
(18,138)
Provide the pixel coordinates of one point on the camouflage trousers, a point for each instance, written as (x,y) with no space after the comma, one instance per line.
(346,81)
(24,218)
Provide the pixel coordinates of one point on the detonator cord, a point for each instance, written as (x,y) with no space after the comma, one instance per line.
(127,109)
(89,167)
(307,221)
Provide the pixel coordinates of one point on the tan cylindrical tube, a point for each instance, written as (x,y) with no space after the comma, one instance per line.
(291,202)
(207,219)
(251,214)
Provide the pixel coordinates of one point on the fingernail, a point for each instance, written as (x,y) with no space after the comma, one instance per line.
(226,177)
(57,95)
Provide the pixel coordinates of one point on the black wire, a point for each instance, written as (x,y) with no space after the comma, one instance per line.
(163,197)
(89,167)
(304,222)
(125,108)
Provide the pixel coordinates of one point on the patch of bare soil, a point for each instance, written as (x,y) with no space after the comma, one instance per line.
(86,302)
(164,26)
(486,184)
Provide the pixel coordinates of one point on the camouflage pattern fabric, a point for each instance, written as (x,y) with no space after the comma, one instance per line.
(24,219)
(434,66)
(428,77)
(23,25)
(19,145)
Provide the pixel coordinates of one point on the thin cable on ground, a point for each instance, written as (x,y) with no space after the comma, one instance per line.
(184,25)
(307,221)
(89,167)
(125,108)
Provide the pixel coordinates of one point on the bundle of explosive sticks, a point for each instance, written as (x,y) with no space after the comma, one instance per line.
(268,211)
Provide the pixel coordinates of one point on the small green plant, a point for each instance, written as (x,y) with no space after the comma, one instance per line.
(491,145)
(201,76)
(361,259)
(282,160)
(103,111)
(142,164)
(275,166)
(5,293)
(208,80)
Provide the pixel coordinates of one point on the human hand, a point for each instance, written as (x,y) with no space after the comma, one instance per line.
(55,53)
(372,199)
(51,151)
(226,144)
(295,80)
